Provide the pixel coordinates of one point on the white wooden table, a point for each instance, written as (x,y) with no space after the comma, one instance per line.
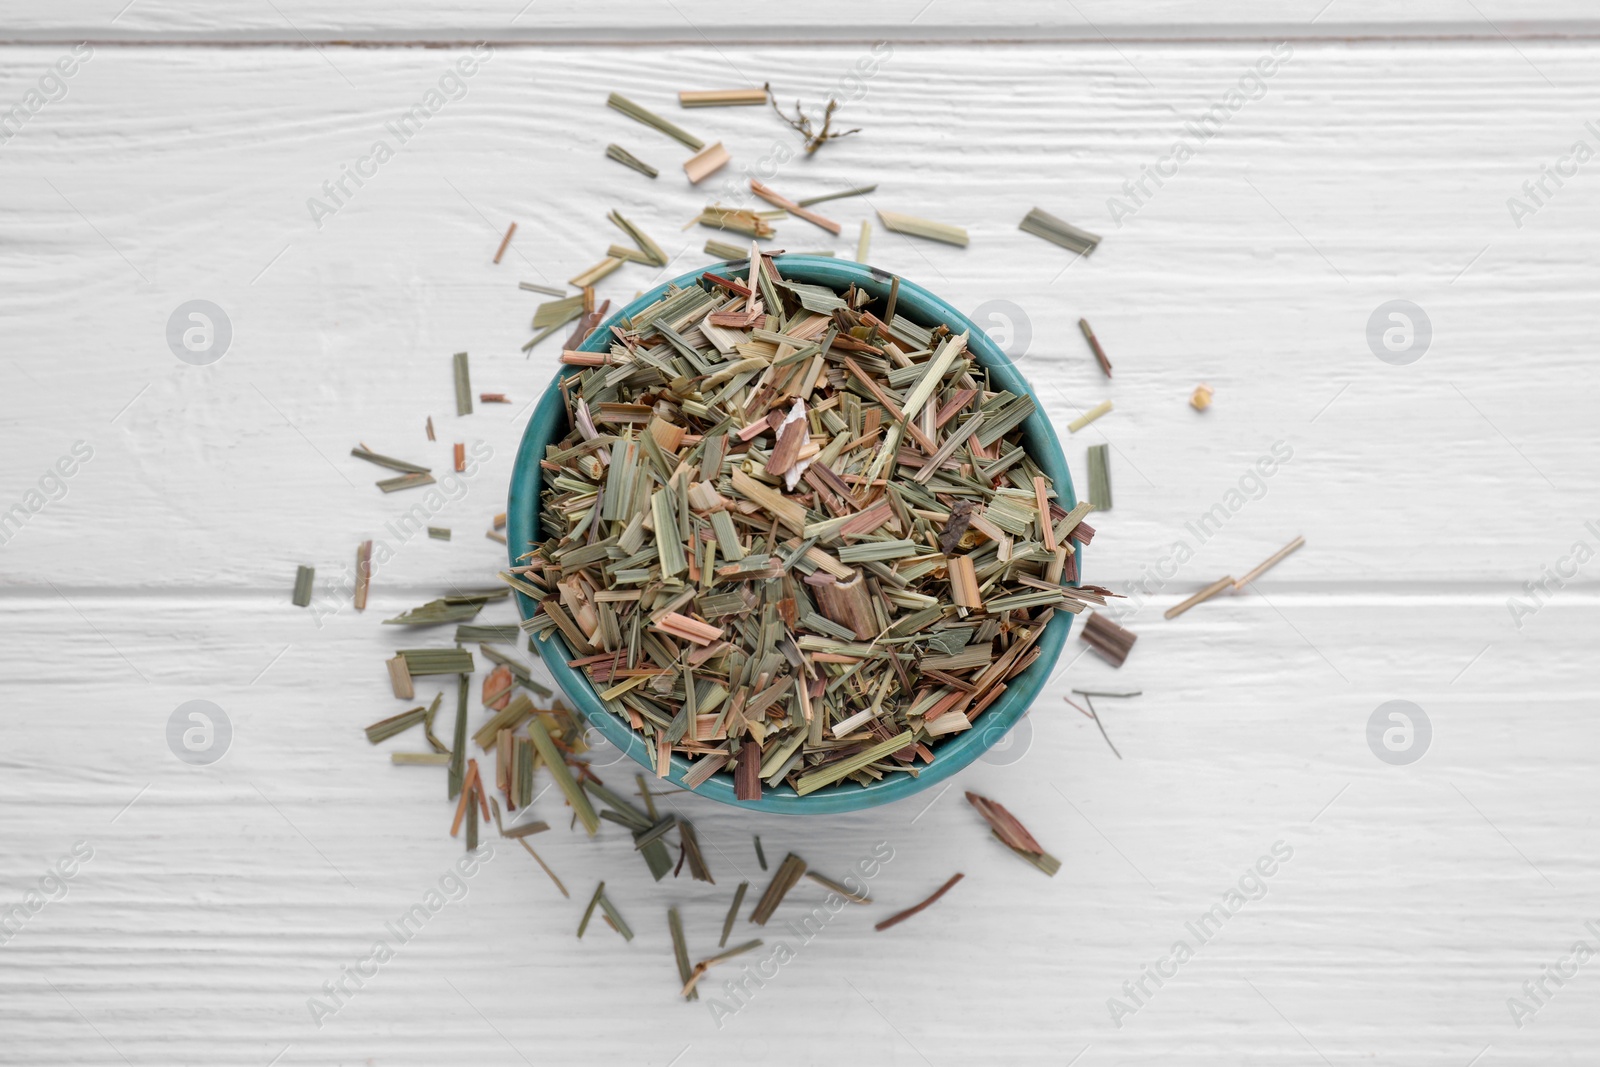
(1374,164)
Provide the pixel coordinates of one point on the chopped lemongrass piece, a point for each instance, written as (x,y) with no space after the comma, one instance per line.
(1094,346)
(303,577)
(504,242)
(706,162)
(587,278)
(547,290)
(864,241)
(1099,477)
(793,208)
(1041,223)
(463,381)
(901,917)
(1089,416)
(650,118)
(628,159)
(722,97)
(910,225)
(1199,598)
(1269,563)
(861,191)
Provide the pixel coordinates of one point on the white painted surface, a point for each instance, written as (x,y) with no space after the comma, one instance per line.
(1418,899)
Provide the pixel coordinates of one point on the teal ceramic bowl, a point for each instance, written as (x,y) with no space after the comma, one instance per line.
(549,425)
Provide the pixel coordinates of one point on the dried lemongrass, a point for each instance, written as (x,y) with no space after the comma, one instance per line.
(1269,563)
(723,250)
(505,242)
(463,383)
(1041,223)
(706,162)
(793,208)
(859,191)
(1013,834)
(535,287)
(363,574)
(651,119)
(722,97)
(789,872)
(1089,416)
(750,586)
(1113,642)
(628,159)
(362,452)
(587,278)
(1199,598)
(1100,477)
(303,577)
(901,917)
(1094,346)
(896,222)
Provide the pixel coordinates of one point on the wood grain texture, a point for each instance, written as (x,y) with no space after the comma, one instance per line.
(696,22)
(219,899)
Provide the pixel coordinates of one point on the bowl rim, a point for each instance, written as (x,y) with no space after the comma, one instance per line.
(548,422)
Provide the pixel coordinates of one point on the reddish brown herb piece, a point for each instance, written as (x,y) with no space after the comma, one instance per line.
(909,912)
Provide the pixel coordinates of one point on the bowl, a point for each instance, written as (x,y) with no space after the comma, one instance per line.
(548,424)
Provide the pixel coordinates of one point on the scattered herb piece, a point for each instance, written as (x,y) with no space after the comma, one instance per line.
(680,951)
(557,765)
(628,159)
(896,222)
(429,427)
(825,197)
(588,277)
(1199,598)
(1013,834)
(493,398)
(733,913)
(1089,416)
(588,912)
(421,661)
(801,123)
(363,574)
(419,759)
(546,867)
(761,857)
(793,208)
(384,729)
(463,382)
(458,744)
(362,452)
(400,678)
(828,883)
(723,250)
(1099,477)
(447,609)
(1041,223)
(1094,346)
(547,290)
(460,457)
(652,251)
(901,917)
(864,242)
(303,577)
(706,162)
(651,119)
(789,872)
(706,964)
(722,97)
(405,481)
(1113,642)
(1269,563)
(504,241)
(439,533)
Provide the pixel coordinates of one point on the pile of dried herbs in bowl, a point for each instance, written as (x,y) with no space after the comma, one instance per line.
(799,529)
